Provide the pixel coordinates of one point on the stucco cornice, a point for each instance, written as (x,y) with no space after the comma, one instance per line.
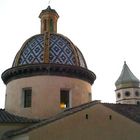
(48,69)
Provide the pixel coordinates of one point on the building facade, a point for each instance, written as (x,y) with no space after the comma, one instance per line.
(48,93)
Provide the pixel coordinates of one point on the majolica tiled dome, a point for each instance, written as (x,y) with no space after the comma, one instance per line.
(49,53)
(60,50)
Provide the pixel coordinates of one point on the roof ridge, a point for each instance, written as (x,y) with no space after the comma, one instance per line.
(65,113)
(120,104)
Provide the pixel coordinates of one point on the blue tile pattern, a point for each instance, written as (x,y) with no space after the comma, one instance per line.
(33,51)
(61,51)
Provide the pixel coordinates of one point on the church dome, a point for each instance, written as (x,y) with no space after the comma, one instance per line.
(49,53)
(49,48)
(48,74)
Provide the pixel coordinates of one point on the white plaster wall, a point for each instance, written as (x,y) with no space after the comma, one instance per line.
(132,99)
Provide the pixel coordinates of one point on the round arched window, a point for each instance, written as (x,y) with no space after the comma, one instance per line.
(118,95)
(127,93)
(137,93)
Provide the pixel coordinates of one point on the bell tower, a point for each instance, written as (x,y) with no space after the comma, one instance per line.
(127,87)
(49,19)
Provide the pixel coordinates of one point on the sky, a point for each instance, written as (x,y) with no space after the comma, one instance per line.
(106,31)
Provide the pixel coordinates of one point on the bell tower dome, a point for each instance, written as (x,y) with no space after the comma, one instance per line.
(49,73)
(127,87)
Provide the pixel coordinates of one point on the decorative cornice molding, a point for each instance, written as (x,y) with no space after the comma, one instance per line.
(128,99)
(48,69)
(134,87)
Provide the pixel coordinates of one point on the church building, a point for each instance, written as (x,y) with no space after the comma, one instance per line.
(48,93)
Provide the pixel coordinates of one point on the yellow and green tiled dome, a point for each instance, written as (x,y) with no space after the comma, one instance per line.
(60,50)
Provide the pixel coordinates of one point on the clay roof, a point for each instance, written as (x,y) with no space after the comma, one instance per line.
(6,117)
(130,111)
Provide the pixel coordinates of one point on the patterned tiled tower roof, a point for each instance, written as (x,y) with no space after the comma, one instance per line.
(127,78)
(49,52)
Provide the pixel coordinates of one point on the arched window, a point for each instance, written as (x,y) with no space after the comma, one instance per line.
(51,25)
(45,24)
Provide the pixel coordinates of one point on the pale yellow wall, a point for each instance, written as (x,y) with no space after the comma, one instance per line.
(22,138)
(10,126)
(97,127)
(45,95)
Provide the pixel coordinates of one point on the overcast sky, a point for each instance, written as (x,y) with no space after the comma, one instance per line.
(106,31)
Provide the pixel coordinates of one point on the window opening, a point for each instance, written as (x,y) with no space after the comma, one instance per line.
(118,95)
(90,97)
(64,99)
(137,93)
(27,95)
(110,117)
(86,116)
(45,25)
(51,25)
(127,93)
(138,102)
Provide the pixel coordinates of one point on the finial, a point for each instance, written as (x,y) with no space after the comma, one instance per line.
(124,62)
